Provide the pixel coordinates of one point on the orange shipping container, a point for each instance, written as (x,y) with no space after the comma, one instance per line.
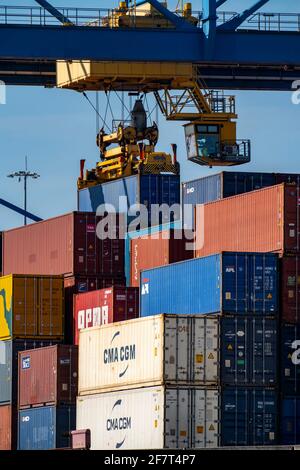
(158,249)
(7,427)
(31,307)
(267,220)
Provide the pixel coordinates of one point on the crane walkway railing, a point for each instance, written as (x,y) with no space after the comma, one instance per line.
(97,17)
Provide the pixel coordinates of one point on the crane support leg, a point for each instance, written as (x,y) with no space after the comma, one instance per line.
(235,22)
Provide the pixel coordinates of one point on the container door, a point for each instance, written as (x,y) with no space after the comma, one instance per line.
(290,359)
(205,350)
(262,284)
(250,284)
(65,423)
(178,402)
(263,418)
(51,307)
(238,182)
(205,418)
(178,363)
(290,289)
(86,254)
(236,358)
(292,218)
(67,374)
(263,351)
(25,306)
(290,421)
(234,417)
(37,428)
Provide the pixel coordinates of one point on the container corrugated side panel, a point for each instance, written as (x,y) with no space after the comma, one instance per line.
(151,418)
(228,283)
(290,420)
(222,185)
(177,349)
(138,233)
(6,430)
(180,282)
(235,182)
(289,364)
(40,247)
(199,191)
(109,193)
(44,428)
(251,222)
(249,417)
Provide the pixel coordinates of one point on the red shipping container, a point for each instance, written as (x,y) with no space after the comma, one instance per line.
(63,245)
(48,376)
(81,284)
(267,220)
(8,425)
(158,249)
(105,306)
(290,289)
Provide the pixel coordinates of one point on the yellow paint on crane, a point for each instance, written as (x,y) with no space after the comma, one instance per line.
(91,75)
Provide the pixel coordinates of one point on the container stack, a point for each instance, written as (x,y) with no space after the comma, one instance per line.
(67,245)
(31,316)
(289,351)
(239,290)
(141,383)
(47,397)
(266,220)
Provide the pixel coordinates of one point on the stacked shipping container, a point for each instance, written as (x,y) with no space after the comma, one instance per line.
(31,316)
(67,245)
(241,291)
(100,307)
(47,394)
(126,193)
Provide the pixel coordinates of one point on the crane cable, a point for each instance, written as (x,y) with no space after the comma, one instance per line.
(95,109)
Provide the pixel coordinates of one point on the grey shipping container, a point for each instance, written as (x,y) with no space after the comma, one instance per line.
(9,366)
(226,184)
(46,427)
(139,189)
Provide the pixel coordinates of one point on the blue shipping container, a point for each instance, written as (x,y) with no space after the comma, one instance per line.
(290,359)
(249,351)
(143,189)
(232,283)
(46,427)
(290,421)
(249,417)
(139,233)
(226,184)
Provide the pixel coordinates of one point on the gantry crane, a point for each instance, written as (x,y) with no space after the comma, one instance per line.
(210,133)
(142,46)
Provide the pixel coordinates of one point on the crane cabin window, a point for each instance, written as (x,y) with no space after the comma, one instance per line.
(208,140)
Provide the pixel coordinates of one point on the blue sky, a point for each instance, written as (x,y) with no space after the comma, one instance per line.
(56,128)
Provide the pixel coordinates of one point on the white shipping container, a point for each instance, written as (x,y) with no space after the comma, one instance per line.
(156,350)
(151,418)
